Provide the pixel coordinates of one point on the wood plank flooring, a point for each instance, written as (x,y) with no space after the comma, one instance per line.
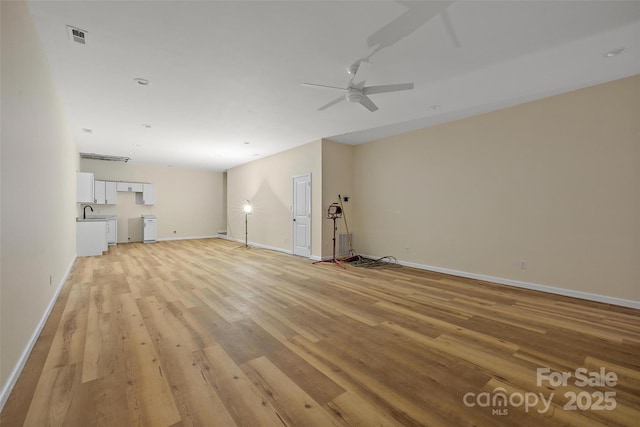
(203,333)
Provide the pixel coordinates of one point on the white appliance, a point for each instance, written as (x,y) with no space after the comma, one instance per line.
(150,228)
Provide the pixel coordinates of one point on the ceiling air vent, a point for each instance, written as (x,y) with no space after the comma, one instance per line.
(76,34)
(104,157)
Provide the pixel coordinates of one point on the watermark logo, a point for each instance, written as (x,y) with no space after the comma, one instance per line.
(499,400)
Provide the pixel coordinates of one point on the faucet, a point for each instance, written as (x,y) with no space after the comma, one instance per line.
(84,211)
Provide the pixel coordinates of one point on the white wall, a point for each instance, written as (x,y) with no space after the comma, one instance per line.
(268,184)
(554,182)
(337,179)
(38,166)
(188,201)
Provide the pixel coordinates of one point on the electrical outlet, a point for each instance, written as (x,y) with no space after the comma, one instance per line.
(523,264)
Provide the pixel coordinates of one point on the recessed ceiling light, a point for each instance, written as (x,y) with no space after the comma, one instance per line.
(247,143)
(135,145)
(436,107)
(86,130)
(256,154)
(615,52)
(146,125)
(141,81)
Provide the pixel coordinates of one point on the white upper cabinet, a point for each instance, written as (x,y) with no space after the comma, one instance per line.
(105,193)
(135,187)
(85,187)
(124,186)
(110,193)
(147,195)
(99,192)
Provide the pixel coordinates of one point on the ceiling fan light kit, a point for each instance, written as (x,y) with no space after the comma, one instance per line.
(354,95)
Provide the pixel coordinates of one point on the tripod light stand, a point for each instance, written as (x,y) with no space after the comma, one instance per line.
(334,212)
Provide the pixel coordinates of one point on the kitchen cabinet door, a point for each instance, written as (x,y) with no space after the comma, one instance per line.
(99,192)
(123,186)
(85,187)
(147,196)
(136,187)
(112,231)
(91,238)
(150,231)
(110,193)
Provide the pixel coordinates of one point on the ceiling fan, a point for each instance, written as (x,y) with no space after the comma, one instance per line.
(356,91)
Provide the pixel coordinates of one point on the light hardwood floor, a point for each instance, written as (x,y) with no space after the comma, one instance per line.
(201,333)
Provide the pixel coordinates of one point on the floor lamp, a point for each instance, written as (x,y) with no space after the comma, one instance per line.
(247,210)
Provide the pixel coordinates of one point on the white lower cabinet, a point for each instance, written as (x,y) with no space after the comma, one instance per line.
(149,228)
(91,238)
(112,231)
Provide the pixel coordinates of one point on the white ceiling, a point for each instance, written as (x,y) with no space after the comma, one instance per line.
(226,75)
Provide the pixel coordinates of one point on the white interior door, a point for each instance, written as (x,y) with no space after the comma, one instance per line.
(302,215)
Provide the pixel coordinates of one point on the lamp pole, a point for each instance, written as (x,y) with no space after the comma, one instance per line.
(247,210)
(246,230)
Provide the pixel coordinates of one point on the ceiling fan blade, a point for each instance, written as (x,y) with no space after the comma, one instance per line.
(361,75)
(332,103)
(386,88)
(447,24)
(368,104)
(322,86)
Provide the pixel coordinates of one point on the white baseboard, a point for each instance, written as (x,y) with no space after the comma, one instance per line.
(216,236)
(257,245)
(17,369)
(320,258)
(525,285)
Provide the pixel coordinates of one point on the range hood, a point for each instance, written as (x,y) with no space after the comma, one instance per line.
(104,157)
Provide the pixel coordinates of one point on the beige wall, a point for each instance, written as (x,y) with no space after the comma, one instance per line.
(554,182)
(38,165)
(188,201)
(337,178)
(268,183)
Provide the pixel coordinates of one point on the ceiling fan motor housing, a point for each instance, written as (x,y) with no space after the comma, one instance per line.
(355,95)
